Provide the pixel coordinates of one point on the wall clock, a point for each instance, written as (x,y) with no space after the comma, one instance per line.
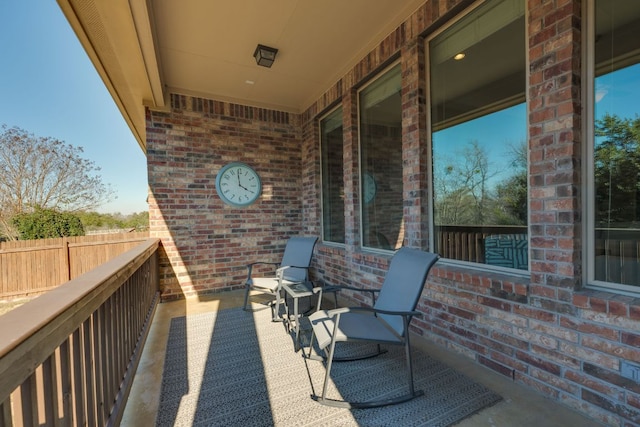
(370,188)
(238,184)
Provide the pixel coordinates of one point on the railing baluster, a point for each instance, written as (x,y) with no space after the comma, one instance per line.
(79,395)
(97,335)
(66,411)
(6,419)
(50,390)
(89,371)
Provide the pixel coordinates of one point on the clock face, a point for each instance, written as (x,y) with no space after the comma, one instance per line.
(238,184)
(369,187)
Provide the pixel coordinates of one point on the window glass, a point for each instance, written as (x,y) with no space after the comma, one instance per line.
(477,71)
(616,148)
(381,162)
(332,177)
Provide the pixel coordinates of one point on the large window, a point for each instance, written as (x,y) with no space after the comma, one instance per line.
(332,177)
(477,85)
(615,148)
(381,162)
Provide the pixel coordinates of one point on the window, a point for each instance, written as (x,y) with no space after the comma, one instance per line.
(332,177)
(477,89)
(381,162)
(614,193)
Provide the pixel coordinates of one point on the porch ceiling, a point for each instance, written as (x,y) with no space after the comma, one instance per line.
(144,49)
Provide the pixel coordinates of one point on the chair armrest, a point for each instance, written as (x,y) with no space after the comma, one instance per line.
(262,262)
(250,267)
(280,271)
(350,288)
(334,312)
(284,267)
(336,288)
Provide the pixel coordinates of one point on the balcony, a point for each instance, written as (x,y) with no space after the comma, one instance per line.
(92,353)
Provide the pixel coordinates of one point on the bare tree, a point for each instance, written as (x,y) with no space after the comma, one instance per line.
(47,173)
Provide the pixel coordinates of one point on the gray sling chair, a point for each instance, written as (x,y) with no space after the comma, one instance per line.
(292,269)
(387,322)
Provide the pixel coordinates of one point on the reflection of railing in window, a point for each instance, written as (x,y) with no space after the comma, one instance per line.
(617,255)
(617,251)
(466,242)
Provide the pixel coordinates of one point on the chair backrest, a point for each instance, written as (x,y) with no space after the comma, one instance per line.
(298,252)
(403,284)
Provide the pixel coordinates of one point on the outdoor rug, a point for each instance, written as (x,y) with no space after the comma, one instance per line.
(237,368)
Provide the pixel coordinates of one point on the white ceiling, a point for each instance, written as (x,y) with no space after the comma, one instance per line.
(144,49)
(205,47)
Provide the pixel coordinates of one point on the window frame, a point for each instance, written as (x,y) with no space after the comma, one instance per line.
(331,111)
(491,108)
(588,165)
(377,75)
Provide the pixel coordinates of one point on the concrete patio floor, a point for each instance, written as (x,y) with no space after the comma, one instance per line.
(521,407)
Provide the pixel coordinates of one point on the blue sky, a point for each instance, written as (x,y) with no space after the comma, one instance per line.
(49,88)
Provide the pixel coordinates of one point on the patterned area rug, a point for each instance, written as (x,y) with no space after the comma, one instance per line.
(237,368)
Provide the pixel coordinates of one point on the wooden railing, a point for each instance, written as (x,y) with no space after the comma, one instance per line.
(31,267)
(68,357)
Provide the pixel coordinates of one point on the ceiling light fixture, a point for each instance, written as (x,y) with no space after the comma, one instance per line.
(265,55)
(459,56)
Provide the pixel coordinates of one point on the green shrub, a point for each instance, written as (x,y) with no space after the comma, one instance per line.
(47,223)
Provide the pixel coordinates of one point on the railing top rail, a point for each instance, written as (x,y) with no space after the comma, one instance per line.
(30,333)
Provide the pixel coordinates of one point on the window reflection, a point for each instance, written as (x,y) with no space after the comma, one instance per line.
(381,162)
(332,177)
(616,150)
(479,150)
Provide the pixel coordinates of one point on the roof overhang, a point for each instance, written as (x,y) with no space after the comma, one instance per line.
(145,49)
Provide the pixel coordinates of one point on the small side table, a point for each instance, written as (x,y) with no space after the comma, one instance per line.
(297,291)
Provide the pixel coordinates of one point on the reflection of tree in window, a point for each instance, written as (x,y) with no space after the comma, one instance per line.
(617,171)
(468,193)
(478,115)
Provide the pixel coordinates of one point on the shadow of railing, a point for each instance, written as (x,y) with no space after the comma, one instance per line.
(212,375)
(68,357)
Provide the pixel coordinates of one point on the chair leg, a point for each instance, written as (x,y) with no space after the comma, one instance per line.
(327,373)
(370,404)
(246,296)
(407,348)
(276,310)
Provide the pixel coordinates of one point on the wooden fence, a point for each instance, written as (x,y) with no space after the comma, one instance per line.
(32,267)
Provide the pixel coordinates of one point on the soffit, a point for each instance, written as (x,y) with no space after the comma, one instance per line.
(144,49)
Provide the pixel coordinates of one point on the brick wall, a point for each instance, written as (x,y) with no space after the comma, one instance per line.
(546,331)
(207,243)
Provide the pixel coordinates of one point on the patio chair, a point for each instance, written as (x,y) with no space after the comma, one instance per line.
(292,269)
(387,322)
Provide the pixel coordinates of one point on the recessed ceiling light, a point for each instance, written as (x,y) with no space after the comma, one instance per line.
(459,56)
(249,82)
